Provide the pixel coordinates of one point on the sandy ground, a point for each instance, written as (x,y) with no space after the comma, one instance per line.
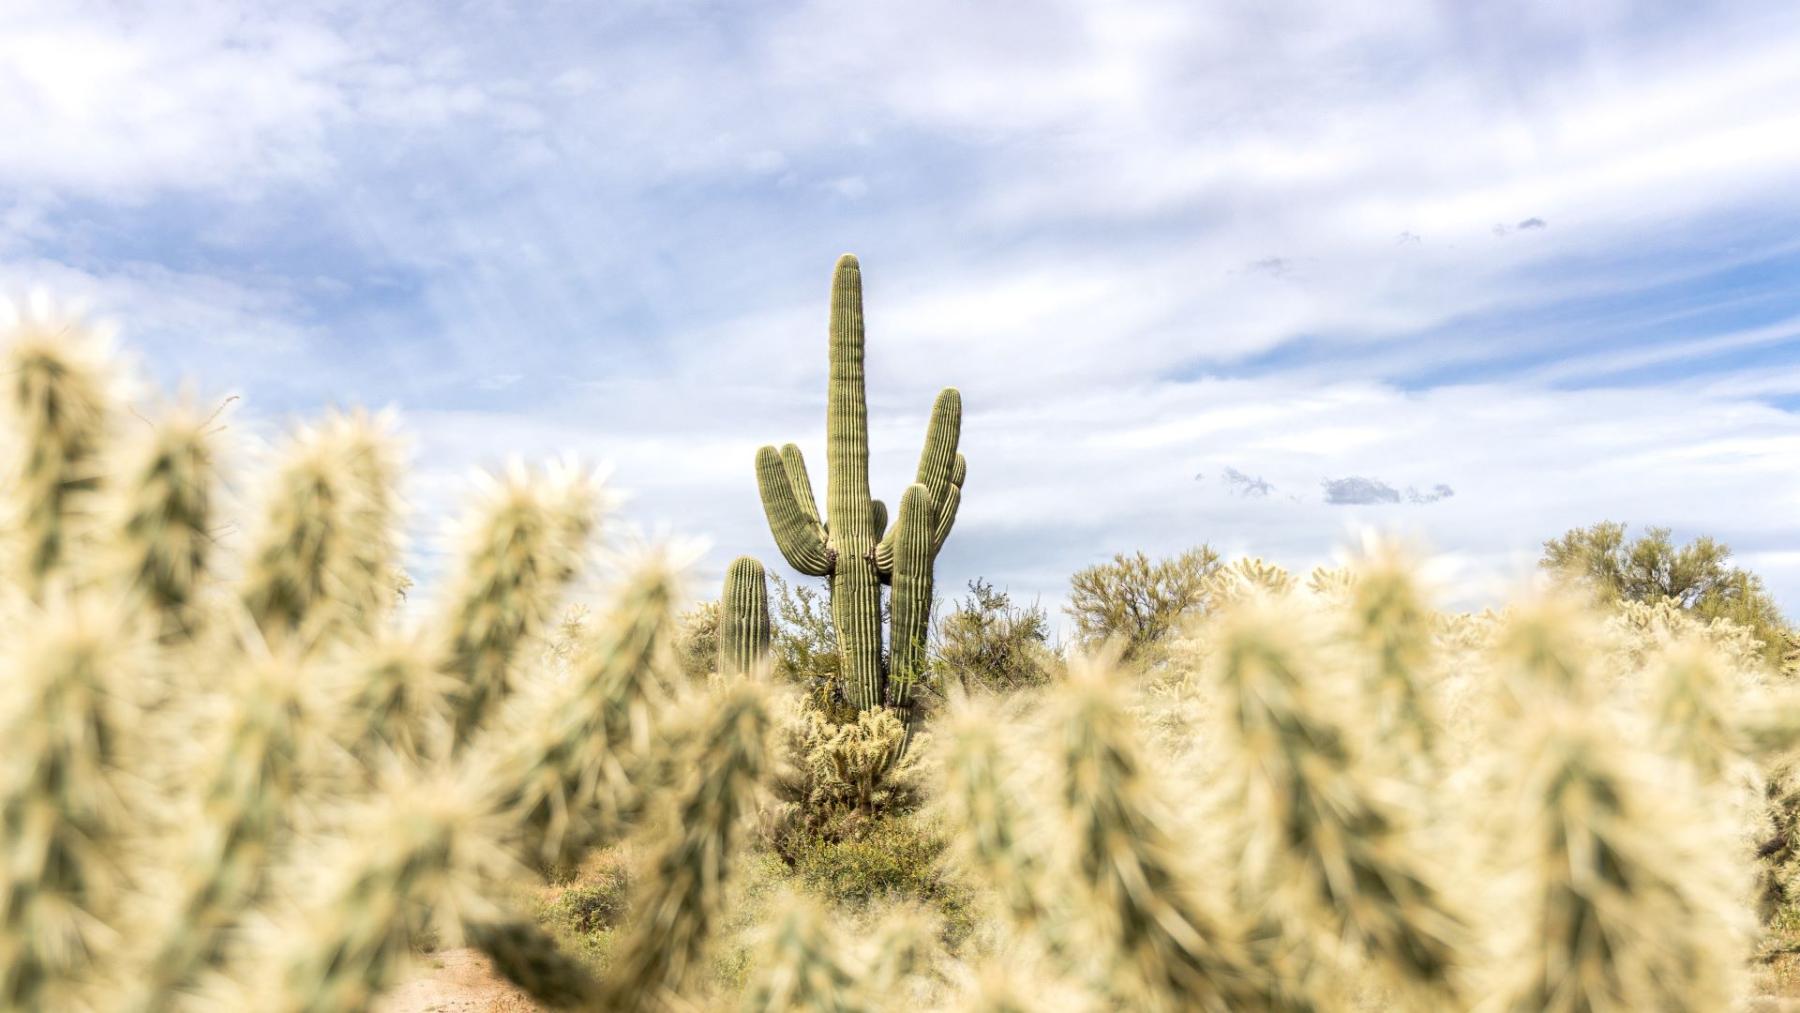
(456,981)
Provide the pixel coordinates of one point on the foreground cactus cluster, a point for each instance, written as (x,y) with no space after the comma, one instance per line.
(236,776)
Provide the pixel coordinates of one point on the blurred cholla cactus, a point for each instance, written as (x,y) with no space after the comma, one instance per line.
(1326,836)
(164,516)
(321,563)
(61,407)
(64,797)
(523,543)
(1628,891)
(1167,949)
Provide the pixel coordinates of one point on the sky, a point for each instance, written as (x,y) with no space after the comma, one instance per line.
(1257,274)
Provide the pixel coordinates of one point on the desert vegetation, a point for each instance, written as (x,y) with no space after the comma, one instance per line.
(236,775)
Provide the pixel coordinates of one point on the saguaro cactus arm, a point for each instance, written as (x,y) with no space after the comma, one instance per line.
(941,471)
(952,500)
(794,463)
(916,528)
(800,537)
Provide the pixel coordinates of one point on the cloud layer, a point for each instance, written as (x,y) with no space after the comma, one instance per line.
(1479,277)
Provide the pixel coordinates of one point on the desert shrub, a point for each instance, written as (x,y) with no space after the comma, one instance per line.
(1137,600)
(1698,577)
(857,858)
(859,863)
(988,642)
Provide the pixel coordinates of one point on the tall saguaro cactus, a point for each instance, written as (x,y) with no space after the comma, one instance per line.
(853,544)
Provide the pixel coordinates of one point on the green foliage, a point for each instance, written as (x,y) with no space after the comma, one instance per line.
(856,860)
(1697,577)
(988,642)
(852,543)
(1139,601)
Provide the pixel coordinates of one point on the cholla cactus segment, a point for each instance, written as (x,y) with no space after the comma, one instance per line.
(420,857)
(1695,709)
(1629,905)
(852,543)
(678,909)
(370,570)
(980,799)
(1390,625)
(568,776)
(163,513)
(744,619)
(307,577)
(800,968)
(1167,949)
(523,546)
(67,748)
(1545,643)
(1322,832)
(60,408)
(396,701)
(245,812)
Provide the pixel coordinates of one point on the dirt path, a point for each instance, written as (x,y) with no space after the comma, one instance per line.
(456,981)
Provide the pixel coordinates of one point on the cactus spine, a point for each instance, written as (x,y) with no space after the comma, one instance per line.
(744,618)
(853,544)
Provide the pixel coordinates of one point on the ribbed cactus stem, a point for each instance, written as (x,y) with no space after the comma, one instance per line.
(744,618)
(855,584)
(853,543)
(916,531)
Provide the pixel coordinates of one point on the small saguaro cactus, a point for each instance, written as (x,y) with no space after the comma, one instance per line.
(743,618)
(852,543)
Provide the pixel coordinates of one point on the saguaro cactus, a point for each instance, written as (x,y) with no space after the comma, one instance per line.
(852,543)
(743,618)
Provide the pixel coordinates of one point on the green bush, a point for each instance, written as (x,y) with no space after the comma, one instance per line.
(990,643)
(856,861)
(1137,601)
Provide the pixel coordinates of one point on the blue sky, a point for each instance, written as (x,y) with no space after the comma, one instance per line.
(1544,254)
